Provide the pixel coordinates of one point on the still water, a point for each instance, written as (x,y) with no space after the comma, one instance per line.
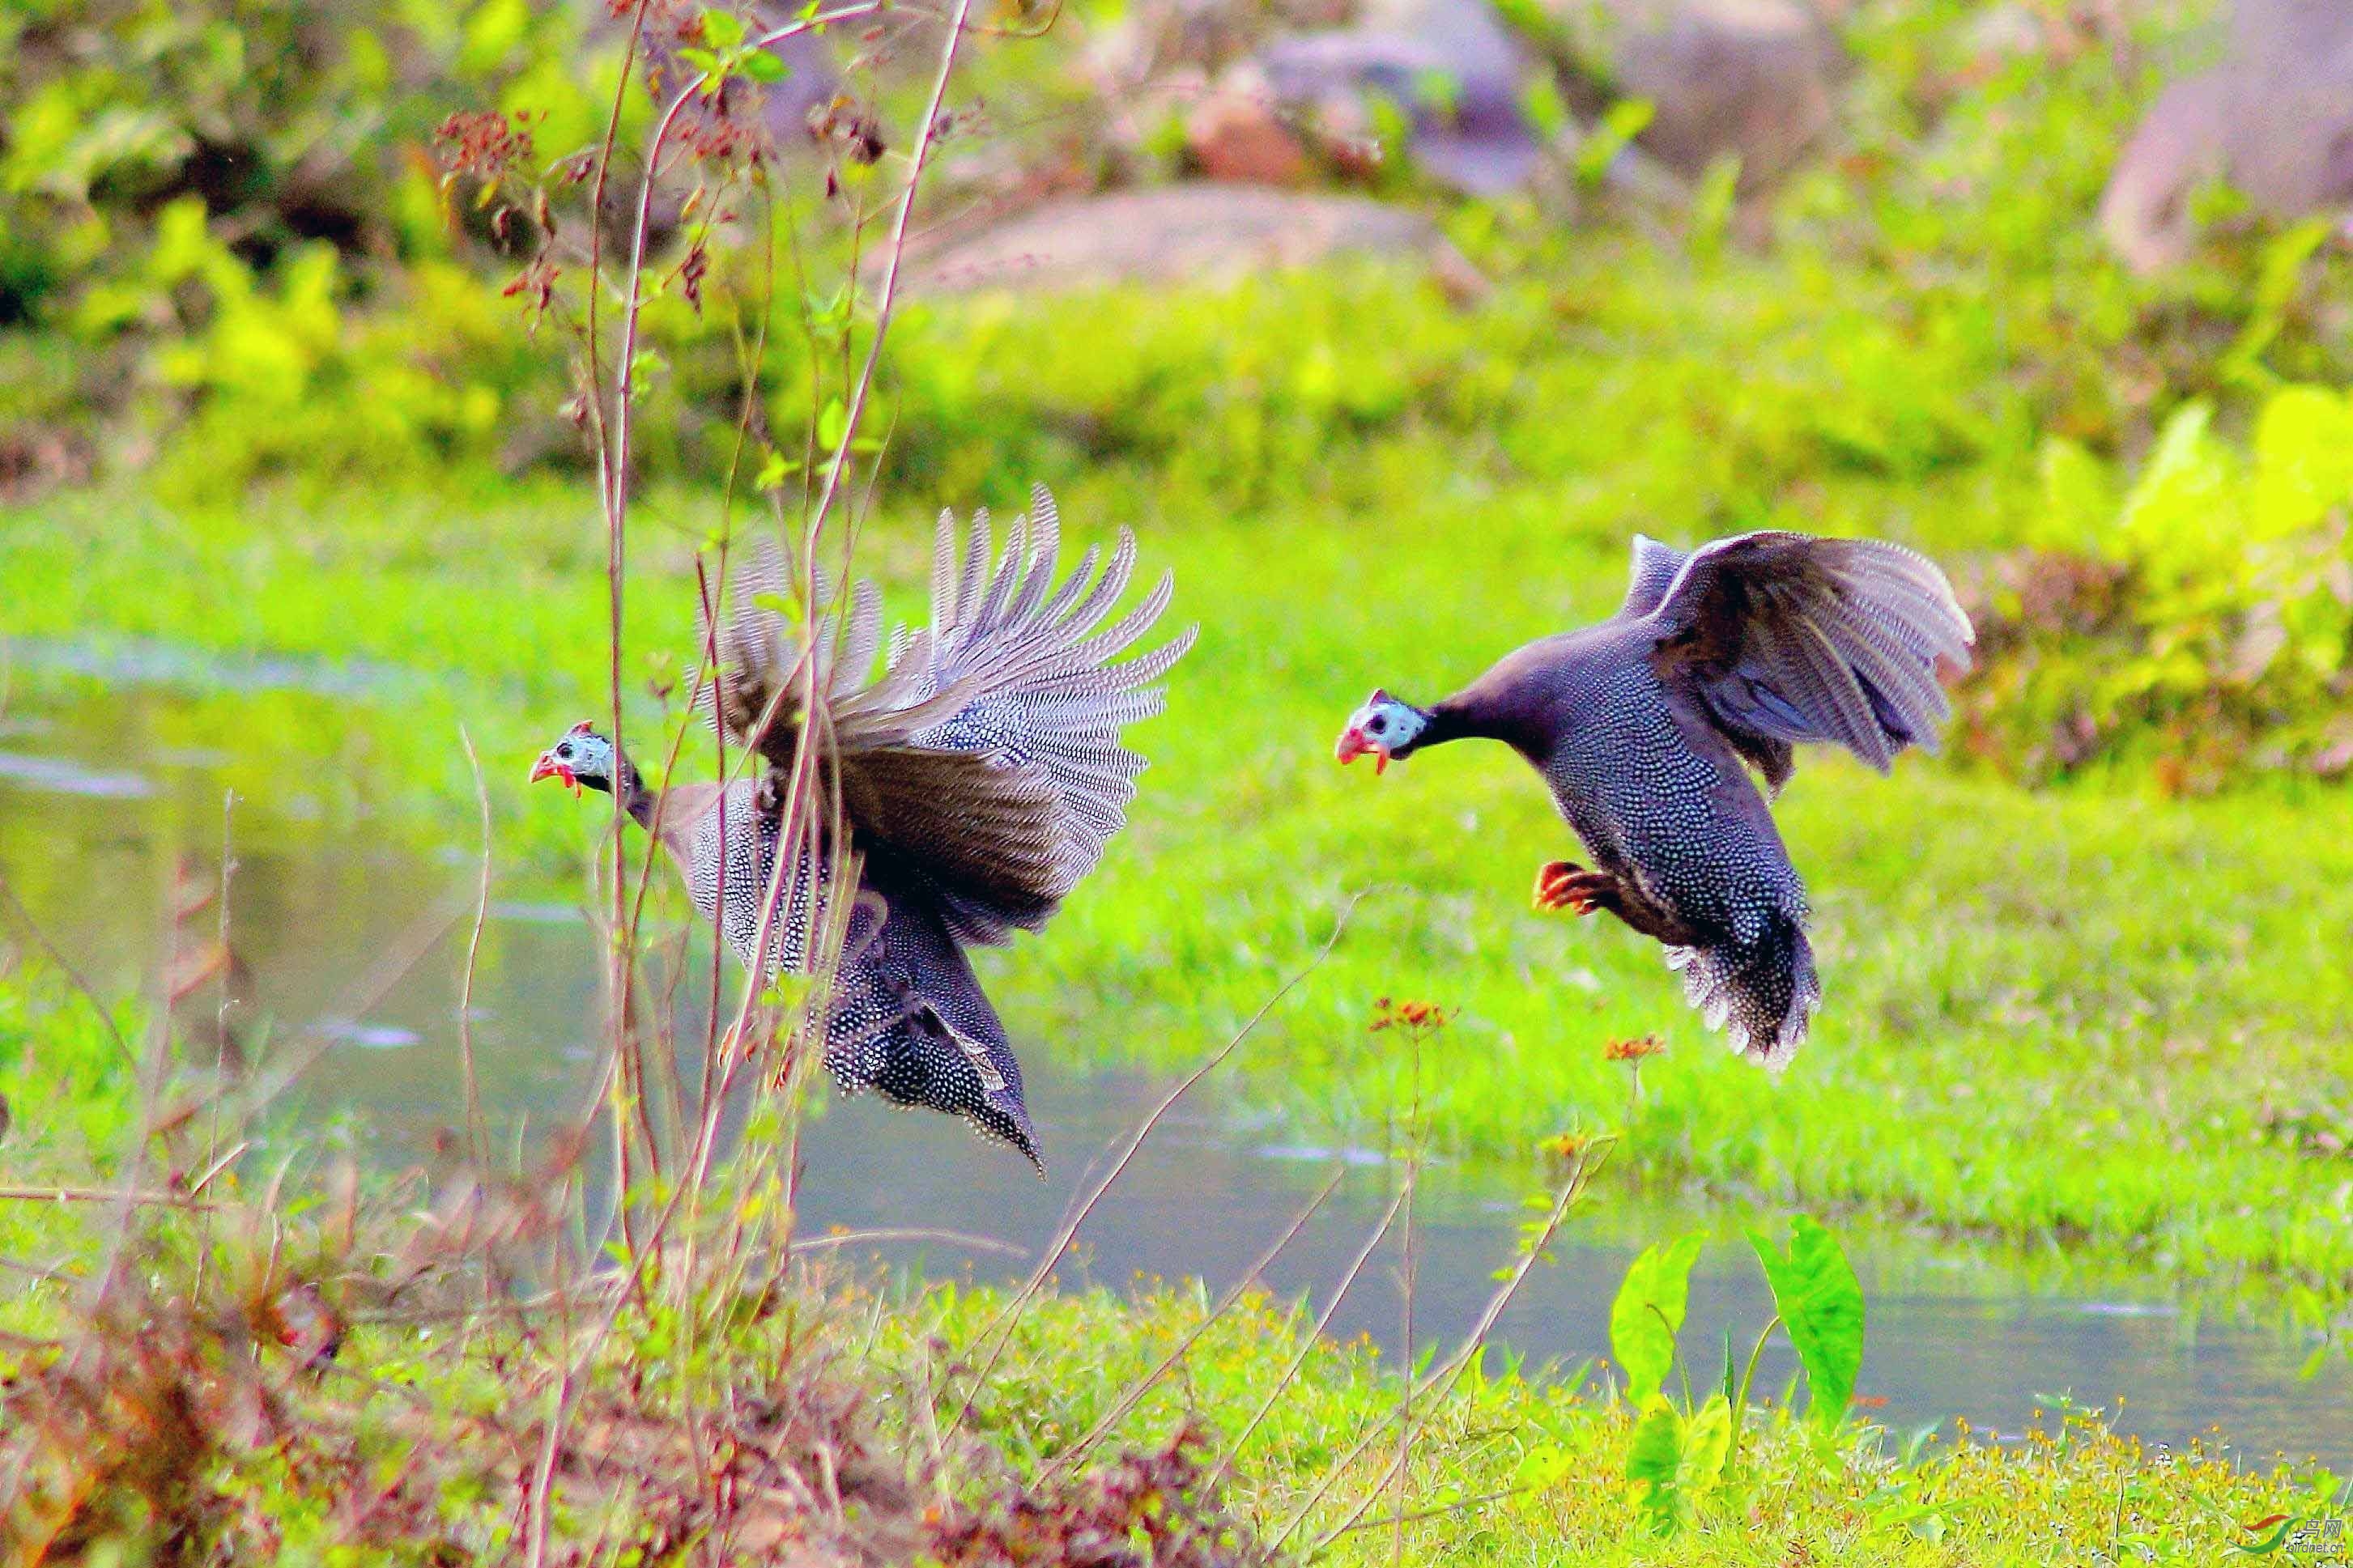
(359,949)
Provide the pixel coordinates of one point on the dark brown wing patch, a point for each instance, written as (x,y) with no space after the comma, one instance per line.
(979,831)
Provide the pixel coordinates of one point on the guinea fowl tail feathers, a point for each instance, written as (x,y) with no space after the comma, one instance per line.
(1002,1117)
(1762,994)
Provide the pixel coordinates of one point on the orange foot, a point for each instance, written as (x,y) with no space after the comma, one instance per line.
(1566,885)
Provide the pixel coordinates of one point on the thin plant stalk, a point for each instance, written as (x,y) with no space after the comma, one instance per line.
(1405,1397)
(1441,1378)
(1307,1344)
(613,444)
(1000,1327)
(1135,1392)
(477,1134)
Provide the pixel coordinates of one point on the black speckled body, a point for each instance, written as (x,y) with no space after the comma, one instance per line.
(1659,797)
(909,1020)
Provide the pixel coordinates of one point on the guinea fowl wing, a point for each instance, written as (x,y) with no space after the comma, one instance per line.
(978,778)
(1656,566)
(1786,639)
(1038,692)
(980,826)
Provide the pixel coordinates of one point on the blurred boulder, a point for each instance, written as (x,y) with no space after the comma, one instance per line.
(1451,67)
(1180,234)
(1754,79)
(2275,119)
(1155,41)
(1238,133)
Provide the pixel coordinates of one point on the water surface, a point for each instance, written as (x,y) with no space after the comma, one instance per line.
(357,950)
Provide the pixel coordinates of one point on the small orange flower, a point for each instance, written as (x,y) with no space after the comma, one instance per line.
(1389,1015)
(1567,1145)
(1633,1050)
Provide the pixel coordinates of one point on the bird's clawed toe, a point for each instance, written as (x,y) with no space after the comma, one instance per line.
(1566,885)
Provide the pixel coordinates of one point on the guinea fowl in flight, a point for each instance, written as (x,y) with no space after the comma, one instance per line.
(1732,653)
(978,779)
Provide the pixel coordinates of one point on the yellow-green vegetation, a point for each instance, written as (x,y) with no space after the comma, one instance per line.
(1795,1494)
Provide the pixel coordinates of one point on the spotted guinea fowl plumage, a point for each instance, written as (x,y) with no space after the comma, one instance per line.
(978,778)
(1732,654)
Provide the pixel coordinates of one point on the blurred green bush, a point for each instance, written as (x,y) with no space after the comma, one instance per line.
(2202,622)
(228,255)
(232,210)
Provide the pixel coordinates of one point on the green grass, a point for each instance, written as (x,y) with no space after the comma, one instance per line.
(2090,1015)
(1559,1454)
(70,1093)
(2082,1013)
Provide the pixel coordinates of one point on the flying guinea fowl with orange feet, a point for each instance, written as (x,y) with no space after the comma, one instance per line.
(977,779)
(1732,653)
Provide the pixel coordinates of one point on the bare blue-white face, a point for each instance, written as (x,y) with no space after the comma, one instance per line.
(583,758)
(1384,727)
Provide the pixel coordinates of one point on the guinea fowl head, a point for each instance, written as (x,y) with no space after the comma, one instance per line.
(1386,728)
(583,758)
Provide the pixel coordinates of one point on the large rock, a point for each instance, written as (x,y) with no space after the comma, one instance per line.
(1755,79)
(1239,134)
(1454,69)
(1195,233)
(2274,118)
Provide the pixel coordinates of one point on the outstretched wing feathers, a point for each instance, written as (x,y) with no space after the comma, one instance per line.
(986,755)
(1786,638)
(1039,689)
(862,637)
(1655,566)
(753,701)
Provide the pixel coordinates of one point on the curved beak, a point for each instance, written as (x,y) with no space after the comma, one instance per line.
(1354,744)
(547,767)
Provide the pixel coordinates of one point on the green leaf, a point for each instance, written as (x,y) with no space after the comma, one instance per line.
(1821,1302)
(2182,502)
(1707,1440)
(763,66)
(700,59)
(2275,289)
(1712,204)
(1648,1312)
(1544,1467)
(1544,107)
(2304,460)
(831,423)
(1620,123)
(722,30)
(1656,1458)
